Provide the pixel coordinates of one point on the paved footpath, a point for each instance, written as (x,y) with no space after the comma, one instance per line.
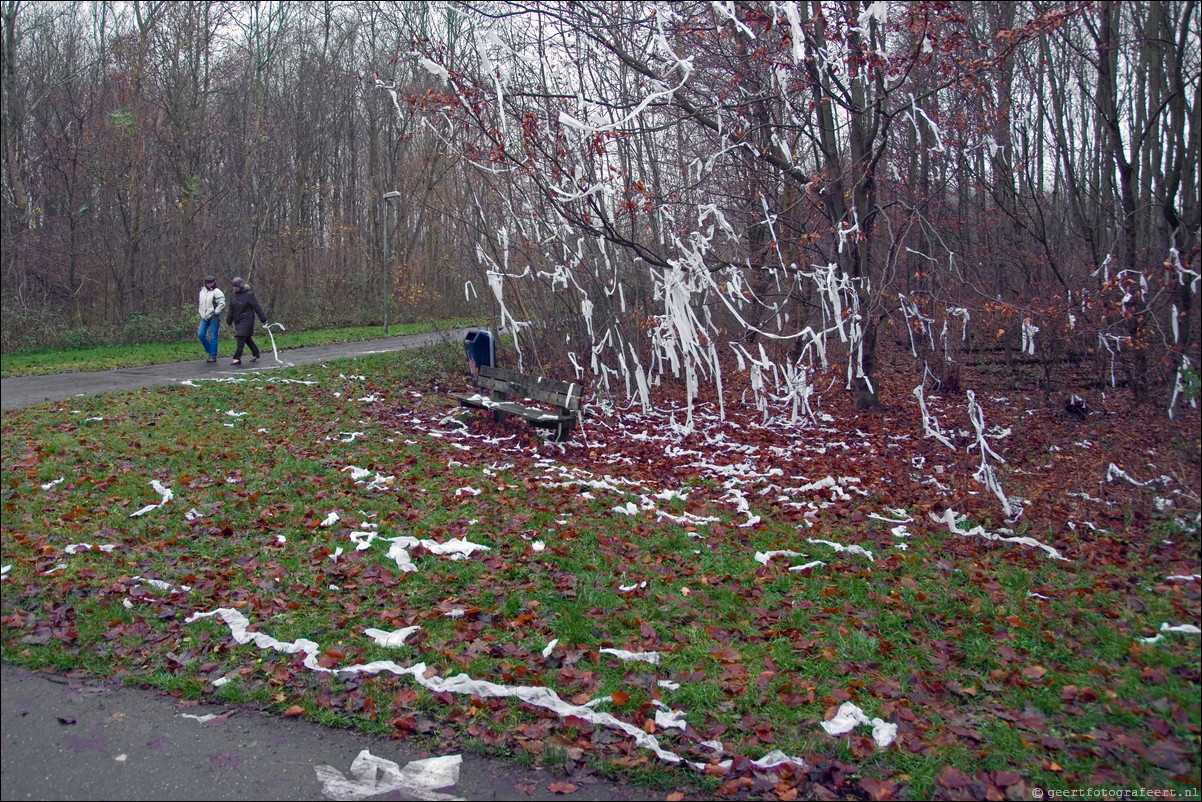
(21,391)
(74,738)
(66,738)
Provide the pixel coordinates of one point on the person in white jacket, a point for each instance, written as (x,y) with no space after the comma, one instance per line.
(212,304)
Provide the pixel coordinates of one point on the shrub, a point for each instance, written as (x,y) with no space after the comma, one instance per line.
(78,338)
(158,328)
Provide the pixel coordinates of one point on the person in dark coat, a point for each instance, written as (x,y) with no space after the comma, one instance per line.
(244,307)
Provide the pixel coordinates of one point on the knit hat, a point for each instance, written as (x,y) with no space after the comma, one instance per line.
(238,282)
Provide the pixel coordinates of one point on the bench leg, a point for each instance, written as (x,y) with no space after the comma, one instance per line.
(497,414)
(563,431)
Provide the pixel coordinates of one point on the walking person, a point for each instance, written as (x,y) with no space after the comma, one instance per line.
(244,307)
(211,305)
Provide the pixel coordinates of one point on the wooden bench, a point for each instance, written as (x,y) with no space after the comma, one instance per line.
(501,384)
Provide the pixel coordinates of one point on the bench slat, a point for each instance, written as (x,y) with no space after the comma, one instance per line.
(532,415)
(511,407)
(560,393)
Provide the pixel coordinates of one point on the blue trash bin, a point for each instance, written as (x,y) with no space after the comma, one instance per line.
(480,350)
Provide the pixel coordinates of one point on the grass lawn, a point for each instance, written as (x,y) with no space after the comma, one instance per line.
(311,504)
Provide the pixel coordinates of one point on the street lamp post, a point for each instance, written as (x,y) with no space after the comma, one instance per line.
(387,259)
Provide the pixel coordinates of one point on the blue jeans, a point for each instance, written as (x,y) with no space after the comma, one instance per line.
(206,332)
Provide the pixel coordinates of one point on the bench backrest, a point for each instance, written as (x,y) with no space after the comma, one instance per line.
(562,394)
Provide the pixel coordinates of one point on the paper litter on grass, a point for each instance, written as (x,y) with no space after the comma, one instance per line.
(622,654)
(762,557)
(538,696)
(392,639)
(1187,629)
(161,585)
(74,548)
(400,555)
(850,715)
(670,719)
(166,496)
(773,758)
(953,523)
(839,547)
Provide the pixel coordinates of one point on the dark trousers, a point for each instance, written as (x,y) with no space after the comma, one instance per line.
(244,341)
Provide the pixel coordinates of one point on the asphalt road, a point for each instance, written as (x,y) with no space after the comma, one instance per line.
(21,391)
(69,738)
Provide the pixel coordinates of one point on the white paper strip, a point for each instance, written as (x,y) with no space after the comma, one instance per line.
(622,654)
(391,640)
(372,776)
(849,715)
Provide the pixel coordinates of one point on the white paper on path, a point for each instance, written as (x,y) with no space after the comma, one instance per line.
(372,776)
(850,715)
(57,481)
(330,519)
(550,647)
